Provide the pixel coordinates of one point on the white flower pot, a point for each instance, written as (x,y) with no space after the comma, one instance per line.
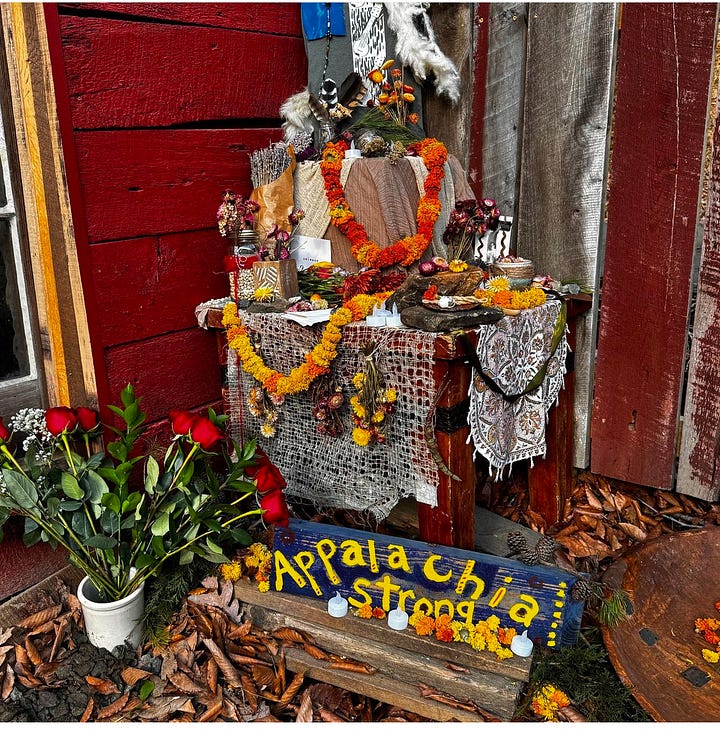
(109,624)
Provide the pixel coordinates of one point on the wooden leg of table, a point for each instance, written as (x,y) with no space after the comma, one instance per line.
(452,522)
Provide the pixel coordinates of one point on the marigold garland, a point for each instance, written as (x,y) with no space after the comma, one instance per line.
(408,249)
(317,361)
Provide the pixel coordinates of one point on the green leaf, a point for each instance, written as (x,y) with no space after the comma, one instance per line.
(111,501)
(100,542)
(127,395)
(81,525)
(53,506)
(68,505)
(132,414)
(146,689)
(131,503)
(214,557)
(71,487)
(241,536)
(158,546)
(20,488)
(97,486)
(144,560)
(161,526)
(116,410)
(30,539)
(118,450)
(152,473)
(109,473)
(95,460)
(213,546)
(186,557)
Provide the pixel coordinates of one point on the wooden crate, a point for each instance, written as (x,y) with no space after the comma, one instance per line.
(402,659)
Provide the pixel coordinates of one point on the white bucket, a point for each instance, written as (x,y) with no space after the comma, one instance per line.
(109,624)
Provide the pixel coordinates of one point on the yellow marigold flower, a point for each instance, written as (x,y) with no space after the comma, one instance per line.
(361,437)
(231,571)
(547,701)
(493,622)
(378,417)
(390,395)
(503,653)
(498,284)
(264,586)
(711,656)
(456,265)
(376,76)
(264,294)
(461,631)
(358,380)
(477,641)
(230,315)
(365,611)
(267,430)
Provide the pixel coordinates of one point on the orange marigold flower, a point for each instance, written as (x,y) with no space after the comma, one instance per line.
(430,293)
(365,611)
(502,298)
(712,637)
(444,620)
(717,606)
(378,613)
(425,626)
(505,634)
(444,633)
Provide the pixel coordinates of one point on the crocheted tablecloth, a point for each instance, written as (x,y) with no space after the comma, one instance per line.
(511,352)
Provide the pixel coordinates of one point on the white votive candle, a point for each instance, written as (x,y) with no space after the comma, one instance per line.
(337,606)
(352,151)
(397,619)
(522,645)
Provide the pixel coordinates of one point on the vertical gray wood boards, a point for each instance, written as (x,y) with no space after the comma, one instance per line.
(563,160)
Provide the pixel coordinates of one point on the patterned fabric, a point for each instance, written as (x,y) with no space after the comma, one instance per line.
(511,353)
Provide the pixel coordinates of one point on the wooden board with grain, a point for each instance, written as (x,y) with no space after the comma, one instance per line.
(663,75)
(568,81)
(503,103)
(161,88)
(698,472)
(399,656)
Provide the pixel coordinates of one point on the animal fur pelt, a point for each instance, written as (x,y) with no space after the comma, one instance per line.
(416,47)
(298,116)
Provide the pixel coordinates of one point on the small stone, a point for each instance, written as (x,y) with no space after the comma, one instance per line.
(437,321)
(46,699)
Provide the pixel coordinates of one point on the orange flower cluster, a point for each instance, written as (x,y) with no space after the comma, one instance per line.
(407,250)
(317,362)
(443,628)
(430,293)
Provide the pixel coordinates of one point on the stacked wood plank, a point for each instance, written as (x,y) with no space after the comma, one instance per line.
(437,680)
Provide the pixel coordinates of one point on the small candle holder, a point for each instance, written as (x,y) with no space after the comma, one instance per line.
(337,606)
(522,645)
(393,319)
(352,152)
(397,619)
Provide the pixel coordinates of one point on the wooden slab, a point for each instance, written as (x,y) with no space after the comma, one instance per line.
(398,656)
(671,583)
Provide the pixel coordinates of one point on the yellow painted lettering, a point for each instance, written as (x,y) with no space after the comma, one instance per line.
(326,550)
(358,585)
(467,575)
(387,588)
(508,579)
(352,553)
(409,593)
(431,574)
(497,597)
(373,557)
(305,560)
(283,566)
(466,611)
(441,604)
(397,558)
(525,610)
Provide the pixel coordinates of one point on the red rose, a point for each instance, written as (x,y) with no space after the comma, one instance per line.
(87,418)
(181,421)
(4,432)
(60,419)
(266,475)
(275,507)
(205,433)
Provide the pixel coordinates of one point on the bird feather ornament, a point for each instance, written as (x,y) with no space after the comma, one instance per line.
(329,95)
(352,91)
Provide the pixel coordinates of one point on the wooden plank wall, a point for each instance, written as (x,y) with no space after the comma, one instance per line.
(165,102)
(699,463)
(663,74)
(568,87)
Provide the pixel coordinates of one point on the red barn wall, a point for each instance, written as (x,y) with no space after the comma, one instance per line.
(159,106)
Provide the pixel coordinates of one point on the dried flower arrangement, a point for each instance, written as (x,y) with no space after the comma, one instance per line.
(469,220)
(373,403)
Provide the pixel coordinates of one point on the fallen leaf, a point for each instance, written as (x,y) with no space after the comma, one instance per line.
(214,709)
(5,635)
(188,707)
(21,655)
(24,677)
(456,668)
(104,686)
(330,717)
(289,634)
(568,713)
(305,712)
(88,710)
(353,667)
(592,499)
(212,674)
(251,692)
(132,675)
(60,627)
(32,652)
(292,689)
(315,652)
(224,665)
(263,676)
(239,630)
(8,683)
(633,531)
(185,683)
(446,698)
(158,709)
(230,712)
(169,664)
(41,617)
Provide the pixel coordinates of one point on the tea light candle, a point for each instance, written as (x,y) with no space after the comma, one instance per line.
(378,317)
(522,645)
(397,619)
(337,606)
(352,152)
(393,319)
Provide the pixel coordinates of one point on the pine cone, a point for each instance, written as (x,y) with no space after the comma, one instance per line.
(529,557)
(581,590)
(546,549)
(516,542)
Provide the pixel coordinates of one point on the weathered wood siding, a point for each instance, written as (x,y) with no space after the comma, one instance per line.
(164,102)
(663,74)
(699,464)
(567,97)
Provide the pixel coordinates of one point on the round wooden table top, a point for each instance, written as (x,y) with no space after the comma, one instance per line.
(671,582)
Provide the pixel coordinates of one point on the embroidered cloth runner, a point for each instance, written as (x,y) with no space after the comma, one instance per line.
(512,352)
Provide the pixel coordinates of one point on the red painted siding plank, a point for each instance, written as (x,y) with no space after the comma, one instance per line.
(176,371)
(276,18)
(482,28)
(151,285)
(129,74)
(663,73)
(144,182)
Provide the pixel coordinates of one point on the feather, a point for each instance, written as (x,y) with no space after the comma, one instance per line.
(329,95)
(352,90)
(318,109)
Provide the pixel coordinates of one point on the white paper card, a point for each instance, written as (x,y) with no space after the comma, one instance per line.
(308,317)
(308,251)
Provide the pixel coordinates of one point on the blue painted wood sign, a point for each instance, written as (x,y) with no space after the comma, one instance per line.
(316,560)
